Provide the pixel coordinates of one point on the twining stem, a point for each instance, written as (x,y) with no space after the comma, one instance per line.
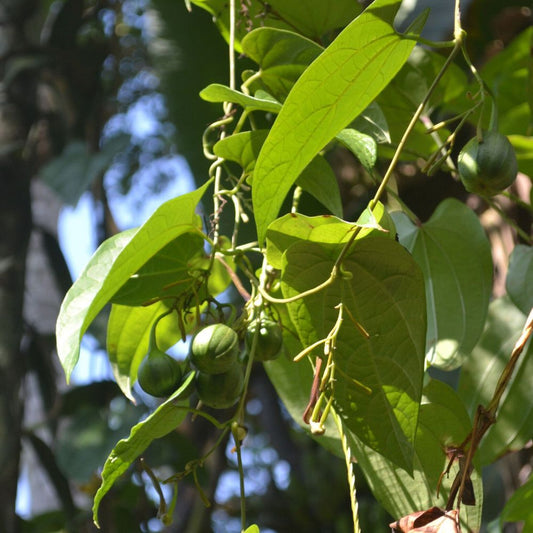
(350,472)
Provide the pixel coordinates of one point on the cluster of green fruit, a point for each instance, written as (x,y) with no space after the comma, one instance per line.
(216,357)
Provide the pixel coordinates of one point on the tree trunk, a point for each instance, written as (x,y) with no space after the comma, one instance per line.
(15,226)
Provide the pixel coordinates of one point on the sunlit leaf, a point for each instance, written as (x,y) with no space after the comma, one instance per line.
(295,227)
(317,178)
(113,264)
(481,372)
(335,88)
(519,281)
(454,254)
(523,147)
(162,421)
(385,294)
(220,93)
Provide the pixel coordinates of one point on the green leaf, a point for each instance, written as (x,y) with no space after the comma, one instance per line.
(220,93)
(519,281)
(128,332)
(281,55)
(252,529)
(335,88)
(443,422)
(523,147)
(168,274)
(71,173)
(454,254)
(520,506)
(295,227)
(167,417)
(112,265)
(313,19)
(361,145)
(385,294)
(318,179)
(372,122)
(481,372)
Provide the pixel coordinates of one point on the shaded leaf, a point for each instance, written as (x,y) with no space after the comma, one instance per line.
(519,281)
(313,19)
(458,290)
(172,271)
(520,506)
(481,372)
(72,172)
(113,264)
(282,56)
(443,422)
(128,331)
(372,122)
(162,421)
(386,296)
(335,88)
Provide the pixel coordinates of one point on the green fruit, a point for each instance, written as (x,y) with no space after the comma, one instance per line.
(269,339)
(488,167)
(220,390)
(159,374)
(215,349)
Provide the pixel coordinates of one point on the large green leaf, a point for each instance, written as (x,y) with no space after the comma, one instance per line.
(115,261)
(443,422)
(128,331)
(519,281)
(481,373)
(282,57)
(295,227)
(317,178)
(385,294)
(167,417)
(335,88)
(454,255)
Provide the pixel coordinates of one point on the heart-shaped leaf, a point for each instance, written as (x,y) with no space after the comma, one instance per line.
(384,293)
(457,290)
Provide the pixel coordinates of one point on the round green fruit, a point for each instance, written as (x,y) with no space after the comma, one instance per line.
(220,390)
(269,339)
(215,349)
(488,167)
(159,374)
